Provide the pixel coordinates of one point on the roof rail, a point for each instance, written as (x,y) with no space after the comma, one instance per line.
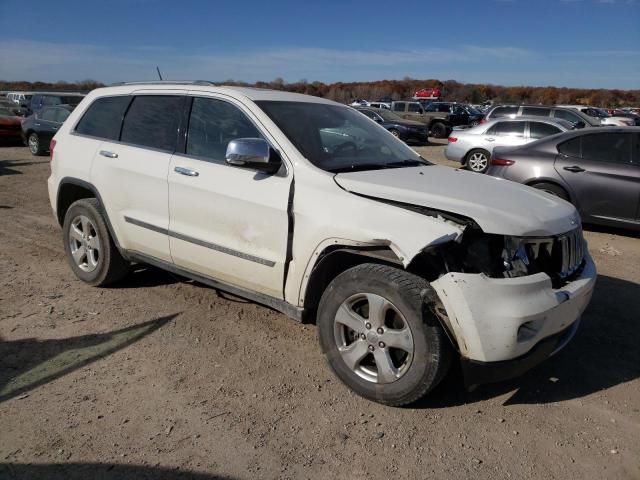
(167,82)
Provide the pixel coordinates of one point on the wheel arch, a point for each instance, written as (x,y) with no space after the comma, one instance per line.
(553,181)
(72,189)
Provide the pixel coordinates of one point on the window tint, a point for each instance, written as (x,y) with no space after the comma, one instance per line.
(369,114)
(152,121)
(398,107)
(458,110)
(49,114)
(540,130)
(509,129)
(62,114)
(103,118)
(213,124)
(443,108)
(536,111)
(607,147)
(571,148)
(414,107)
(504,111)
(569,116)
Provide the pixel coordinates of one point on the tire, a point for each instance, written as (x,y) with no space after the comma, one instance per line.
(97,261)
(394,132)
(35,145)
(553,189)
(477,160)
(420,355)
(439,130)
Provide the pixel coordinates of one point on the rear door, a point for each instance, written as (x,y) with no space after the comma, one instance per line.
(504,134)
(130,171)
(46,124)
(227,222)
(601,171)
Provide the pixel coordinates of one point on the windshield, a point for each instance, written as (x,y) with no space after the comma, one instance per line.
(339,139)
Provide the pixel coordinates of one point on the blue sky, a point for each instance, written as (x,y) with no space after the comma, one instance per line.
(576,43)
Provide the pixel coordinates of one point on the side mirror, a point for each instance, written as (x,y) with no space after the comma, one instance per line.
(378,120)
(580,124)
(252,153)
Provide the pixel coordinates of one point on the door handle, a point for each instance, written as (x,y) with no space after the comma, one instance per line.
(490,139)
(574,168)
(186,171)
(108,154)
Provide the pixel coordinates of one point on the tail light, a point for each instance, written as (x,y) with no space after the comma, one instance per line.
(452,139)
(52,145)
(484,120)
(502,162)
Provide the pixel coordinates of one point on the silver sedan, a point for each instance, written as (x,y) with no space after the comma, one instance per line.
(472,147)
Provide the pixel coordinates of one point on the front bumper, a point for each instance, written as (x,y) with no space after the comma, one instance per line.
(497,320)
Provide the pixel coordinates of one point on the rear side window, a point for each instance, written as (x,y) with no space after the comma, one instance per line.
(504,111)
(103,118)
(536,111)
(413,107)
(570,148)
(213,124)
(607,147)
(541,130)
(152,121)
(398,107)
(508,129)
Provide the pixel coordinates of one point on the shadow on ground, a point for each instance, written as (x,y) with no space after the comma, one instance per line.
(8,167)
(97,471)
(142,276)
(604,353)
(28,363)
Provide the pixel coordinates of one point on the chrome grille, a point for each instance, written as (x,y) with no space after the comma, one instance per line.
(572,249)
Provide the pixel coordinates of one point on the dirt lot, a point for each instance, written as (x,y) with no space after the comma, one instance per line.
(163,378)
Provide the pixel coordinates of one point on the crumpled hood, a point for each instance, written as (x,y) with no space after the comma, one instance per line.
(498,206)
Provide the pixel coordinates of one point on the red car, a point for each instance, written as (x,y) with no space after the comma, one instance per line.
(10,126)
(430,93)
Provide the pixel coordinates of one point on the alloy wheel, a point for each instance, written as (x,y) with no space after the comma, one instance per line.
(478,162)
(84,243)
(34,143)
(373,338)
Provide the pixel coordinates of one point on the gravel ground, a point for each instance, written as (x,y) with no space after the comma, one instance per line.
(159,377)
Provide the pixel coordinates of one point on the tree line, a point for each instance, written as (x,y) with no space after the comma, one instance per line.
(402,89)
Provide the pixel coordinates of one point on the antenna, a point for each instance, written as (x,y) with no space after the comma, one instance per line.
(159,74)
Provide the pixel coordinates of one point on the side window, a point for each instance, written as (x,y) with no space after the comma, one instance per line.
(536,111)
(152,121)
(431,108)
(541,130)
(607,147)
(444,108)
(368,113)
(49,114)
(458,110)
(51,100)
(504,111)
(570,148)
(103,118)
(510,129)
(213,124)
(62,114)
(414,107)
(567,115)
(398,107)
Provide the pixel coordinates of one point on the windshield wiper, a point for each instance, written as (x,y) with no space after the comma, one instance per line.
(360,167)
(408,163)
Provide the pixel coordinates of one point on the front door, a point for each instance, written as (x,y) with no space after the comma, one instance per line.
(226,222)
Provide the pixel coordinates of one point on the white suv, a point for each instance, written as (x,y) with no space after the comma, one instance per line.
(310,207)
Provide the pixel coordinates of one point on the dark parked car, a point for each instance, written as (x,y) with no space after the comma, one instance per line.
(460,113)
(42,100)
(39,128)
(406,130)
(9,125)
(598,170)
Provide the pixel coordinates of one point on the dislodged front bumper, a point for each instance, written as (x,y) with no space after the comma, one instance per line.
(518,320)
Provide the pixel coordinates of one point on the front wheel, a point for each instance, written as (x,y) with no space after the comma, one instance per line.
(553,189)
(395,133)
(380,337)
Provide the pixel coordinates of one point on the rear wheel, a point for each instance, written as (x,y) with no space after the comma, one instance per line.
(379,336)
(478,160)
(91,253)
(35,144)
(395,133)
(439,130)
(553,189)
